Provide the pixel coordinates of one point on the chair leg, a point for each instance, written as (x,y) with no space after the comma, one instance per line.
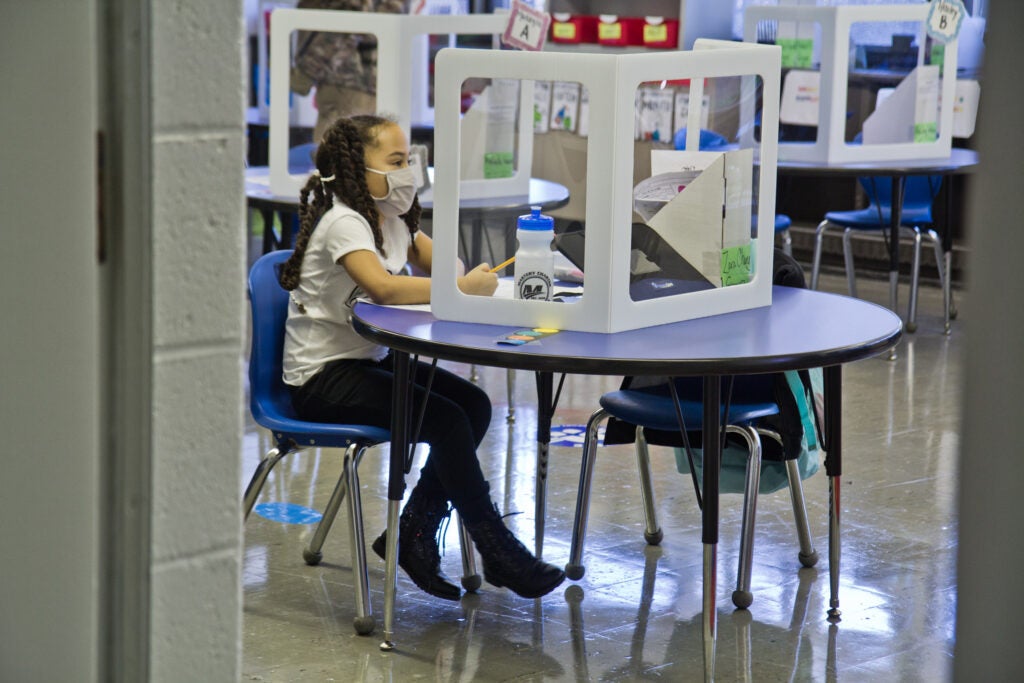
(652,530)
(471,580)
(574,568)
(313,553)
(940,264)
(742,597)
(819,233)
(915,271)
(808,555)
(364,622)
(851,275)
(259,477)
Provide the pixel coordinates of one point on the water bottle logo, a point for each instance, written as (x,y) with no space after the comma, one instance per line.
(534,285)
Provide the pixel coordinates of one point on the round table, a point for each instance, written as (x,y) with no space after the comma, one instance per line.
(800,329)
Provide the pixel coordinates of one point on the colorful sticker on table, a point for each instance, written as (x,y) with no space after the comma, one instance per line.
(736,265)
(527,28)
(797,53)
(526,336)
(945,17)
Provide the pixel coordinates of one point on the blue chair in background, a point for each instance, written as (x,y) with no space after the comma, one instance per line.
(663,408)
(915,216)
(270,403)
(711,141)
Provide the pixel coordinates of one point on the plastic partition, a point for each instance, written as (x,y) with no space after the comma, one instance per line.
(612,80)
(401,76)
(836,22)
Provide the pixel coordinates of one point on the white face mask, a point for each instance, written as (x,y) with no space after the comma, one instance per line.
(401,191)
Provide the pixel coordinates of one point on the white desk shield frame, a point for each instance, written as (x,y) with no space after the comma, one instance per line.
(401,78)
(836,23)
(612,80)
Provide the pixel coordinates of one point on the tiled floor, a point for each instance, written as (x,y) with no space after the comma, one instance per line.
(636,614)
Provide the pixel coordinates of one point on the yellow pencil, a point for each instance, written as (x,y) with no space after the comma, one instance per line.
(501,265)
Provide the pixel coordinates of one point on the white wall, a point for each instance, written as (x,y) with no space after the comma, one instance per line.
(198,323)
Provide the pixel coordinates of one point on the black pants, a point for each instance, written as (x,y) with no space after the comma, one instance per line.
(457,416)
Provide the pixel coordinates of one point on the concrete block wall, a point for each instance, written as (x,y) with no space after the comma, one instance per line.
(198,329)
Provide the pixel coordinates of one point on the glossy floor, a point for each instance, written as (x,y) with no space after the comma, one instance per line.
(636,614)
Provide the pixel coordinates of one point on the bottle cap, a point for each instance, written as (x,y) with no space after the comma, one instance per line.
(535,220)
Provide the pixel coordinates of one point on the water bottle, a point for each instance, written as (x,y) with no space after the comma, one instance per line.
(535,262)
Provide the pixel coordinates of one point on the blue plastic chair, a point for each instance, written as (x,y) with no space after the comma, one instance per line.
(710,141)
(655,408)
(270,403)
(919,193)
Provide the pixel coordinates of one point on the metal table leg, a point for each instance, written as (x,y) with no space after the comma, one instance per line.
(400,423)
(545,410)
(833,376)
(709,533)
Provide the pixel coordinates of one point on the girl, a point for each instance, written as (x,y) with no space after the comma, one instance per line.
(356,236)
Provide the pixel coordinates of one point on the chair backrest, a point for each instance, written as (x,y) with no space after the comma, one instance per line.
(918,191)
(709,139)
(300,158)
(268,301)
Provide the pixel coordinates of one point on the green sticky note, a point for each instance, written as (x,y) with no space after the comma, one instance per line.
(926,132)
(736,265)
(498,165)
(796,52)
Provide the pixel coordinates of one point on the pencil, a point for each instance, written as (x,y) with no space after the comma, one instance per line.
(501,265)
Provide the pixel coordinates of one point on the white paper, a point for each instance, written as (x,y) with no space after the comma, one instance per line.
(583,127)
(565,106)
(541,106)
(801,96)
(656,114)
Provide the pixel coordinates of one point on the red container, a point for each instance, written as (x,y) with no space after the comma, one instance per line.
(616,31)
(659,32)
(573,28)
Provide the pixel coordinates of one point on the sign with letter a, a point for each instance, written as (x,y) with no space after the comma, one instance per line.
(527,28)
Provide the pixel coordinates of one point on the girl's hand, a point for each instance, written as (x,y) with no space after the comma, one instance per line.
(479,281)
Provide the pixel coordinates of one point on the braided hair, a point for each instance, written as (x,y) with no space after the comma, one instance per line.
(342,155)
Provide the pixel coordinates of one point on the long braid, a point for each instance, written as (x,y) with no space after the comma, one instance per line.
(342,155)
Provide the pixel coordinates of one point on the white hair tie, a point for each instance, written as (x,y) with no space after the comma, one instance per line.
(325,178)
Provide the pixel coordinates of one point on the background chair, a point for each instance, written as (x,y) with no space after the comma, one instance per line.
(271,408)
(662,408)
(915,215)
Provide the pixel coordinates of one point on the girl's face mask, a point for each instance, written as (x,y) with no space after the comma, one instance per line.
(401,191)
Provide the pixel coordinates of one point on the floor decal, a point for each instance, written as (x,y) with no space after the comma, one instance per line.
(289,513)
(573,435)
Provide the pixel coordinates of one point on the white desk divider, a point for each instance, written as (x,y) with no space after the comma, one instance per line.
(835,25)
(401,78)
(611,80)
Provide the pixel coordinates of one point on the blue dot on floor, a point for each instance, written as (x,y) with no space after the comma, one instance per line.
(572,435)
(289,513)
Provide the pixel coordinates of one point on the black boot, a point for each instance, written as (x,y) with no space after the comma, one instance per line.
(508,563)
(418,554)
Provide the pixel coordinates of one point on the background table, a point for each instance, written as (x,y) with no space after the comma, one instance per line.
(959,161)
(801,329)
(544,193)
